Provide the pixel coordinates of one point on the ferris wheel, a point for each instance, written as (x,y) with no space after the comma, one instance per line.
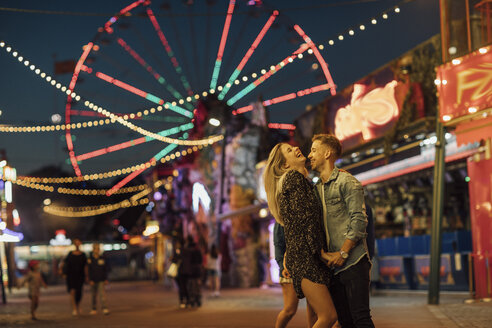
(148,66)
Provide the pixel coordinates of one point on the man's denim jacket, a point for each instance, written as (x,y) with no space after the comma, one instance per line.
(344,215)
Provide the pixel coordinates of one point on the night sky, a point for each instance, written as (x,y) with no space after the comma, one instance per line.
(193,32)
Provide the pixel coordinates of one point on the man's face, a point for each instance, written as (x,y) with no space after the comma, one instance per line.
(318,156)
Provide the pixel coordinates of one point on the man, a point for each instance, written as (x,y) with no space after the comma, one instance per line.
(98,277)
(345,222)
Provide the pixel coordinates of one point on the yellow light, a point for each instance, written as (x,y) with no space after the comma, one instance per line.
(331,42)
(340,37)
(456,61)
(254,75)
(351,32)
(385,16)
(446,118)
(397,10)
(321,47)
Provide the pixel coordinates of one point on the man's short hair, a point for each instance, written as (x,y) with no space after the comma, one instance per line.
(330,141)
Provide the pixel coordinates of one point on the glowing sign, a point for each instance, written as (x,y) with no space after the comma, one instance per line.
(200,195)
(368,114)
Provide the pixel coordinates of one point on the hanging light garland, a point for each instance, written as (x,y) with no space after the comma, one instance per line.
(76,191)
(114,173)
(85,211)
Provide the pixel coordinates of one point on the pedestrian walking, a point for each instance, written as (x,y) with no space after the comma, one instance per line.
(293,202)
(34,281)
(74,269)
(179,277)
(345,222)
(98,270)
(191,268)
(213,270)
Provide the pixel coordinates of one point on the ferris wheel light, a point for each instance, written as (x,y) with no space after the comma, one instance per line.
(14,53)
(385,16)
(32,67)
(245,78)
(20,58)
(212,91)
(340,37)
(374,21)
(236,82)
(397,10)
(310,51)
(263,71)
(362,27)
(53,82)
(228,85)
(181,101)
(77,98)
(254,75)
(2,44)
(188,98)
(351,32)
(321,47)
(272,68)
(43,75)
(174,103)
(299,56)
(218,88)
(331,42)
(8,49)
(290,60)
(48,78)
(26,63)
(37,71)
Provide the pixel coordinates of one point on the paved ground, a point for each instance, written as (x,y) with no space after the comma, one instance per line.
(145,304)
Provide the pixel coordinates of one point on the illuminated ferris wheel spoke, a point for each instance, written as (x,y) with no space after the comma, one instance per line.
(223,40)
(273,69)
(169,51)
(320,58)
(248,55)
(159,78)
(68,106)
(139,92)
(134,142)
(134,174)
(289,96)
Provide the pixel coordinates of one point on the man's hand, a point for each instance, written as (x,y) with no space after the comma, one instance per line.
(333,259)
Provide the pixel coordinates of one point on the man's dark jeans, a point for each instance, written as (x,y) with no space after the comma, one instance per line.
(350,292)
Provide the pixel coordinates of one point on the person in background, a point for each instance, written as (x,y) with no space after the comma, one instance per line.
(34,281)
(213,270)
(98,278)
(180,279)
(191,268)
(74,270)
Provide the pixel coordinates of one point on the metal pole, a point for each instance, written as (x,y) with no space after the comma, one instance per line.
(222,177)
(438,188)
(437,209)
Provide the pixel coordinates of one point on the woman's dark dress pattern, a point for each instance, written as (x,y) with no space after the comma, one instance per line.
(301,211)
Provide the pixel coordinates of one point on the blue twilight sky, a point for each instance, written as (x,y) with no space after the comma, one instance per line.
(43,38)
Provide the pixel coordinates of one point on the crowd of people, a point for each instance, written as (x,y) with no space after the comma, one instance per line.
(320,236)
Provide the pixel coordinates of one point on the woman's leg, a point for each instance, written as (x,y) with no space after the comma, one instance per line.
(290,306)
(311,315)
(72,300)
(320,300)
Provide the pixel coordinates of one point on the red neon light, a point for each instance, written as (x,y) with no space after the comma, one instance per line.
(159,32)
(286,97)
(68,136)
(321,61)
(281,126)
(127,179)
(120,84)
(225,31)
(75,112)
(280,99)
(113,19)
(257,40)
(110,149)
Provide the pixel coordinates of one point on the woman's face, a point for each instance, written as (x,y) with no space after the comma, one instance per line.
(293,156)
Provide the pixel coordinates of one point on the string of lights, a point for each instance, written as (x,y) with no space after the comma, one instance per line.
(85,211)
(75,191)
(114,173)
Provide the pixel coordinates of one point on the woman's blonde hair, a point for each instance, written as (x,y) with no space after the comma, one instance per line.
(273,178)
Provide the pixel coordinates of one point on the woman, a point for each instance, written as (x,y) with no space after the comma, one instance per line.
(293,203)
(291,302)
(74,270)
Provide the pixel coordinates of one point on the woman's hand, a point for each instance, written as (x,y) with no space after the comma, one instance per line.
(285,273)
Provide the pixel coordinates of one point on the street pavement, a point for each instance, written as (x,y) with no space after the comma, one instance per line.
(148,304)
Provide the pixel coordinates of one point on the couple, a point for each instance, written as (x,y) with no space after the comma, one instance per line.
(330,216)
